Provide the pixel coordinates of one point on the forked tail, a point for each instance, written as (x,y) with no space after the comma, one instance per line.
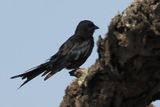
(30,74)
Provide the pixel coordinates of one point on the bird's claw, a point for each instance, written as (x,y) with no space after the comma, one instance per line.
(80,73)
(72,73)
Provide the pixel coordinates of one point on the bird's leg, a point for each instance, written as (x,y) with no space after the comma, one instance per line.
(78,72)
(72,73)
(81,74)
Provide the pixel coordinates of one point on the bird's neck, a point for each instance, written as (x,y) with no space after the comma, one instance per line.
(85,35)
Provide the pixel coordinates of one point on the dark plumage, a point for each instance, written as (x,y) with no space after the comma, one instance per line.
(71,55)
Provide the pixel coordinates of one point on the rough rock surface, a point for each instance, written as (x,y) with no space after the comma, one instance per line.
(127,72)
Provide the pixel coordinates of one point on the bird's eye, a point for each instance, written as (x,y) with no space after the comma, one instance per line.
(90,24)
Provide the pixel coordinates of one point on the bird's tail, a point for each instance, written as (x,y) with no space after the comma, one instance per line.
(30,74)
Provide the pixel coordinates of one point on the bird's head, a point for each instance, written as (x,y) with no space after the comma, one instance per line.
(86,28)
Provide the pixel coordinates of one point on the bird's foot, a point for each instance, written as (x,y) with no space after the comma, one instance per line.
(80,73)
(76,72)
(72,73)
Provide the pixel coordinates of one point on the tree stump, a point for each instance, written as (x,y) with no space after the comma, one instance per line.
(127,71)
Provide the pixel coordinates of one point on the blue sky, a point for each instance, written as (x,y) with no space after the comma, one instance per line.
(31,31)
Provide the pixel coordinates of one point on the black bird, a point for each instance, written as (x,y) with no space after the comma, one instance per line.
(71,55)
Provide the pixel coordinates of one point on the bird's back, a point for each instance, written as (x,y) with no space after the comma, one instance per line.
(82,50)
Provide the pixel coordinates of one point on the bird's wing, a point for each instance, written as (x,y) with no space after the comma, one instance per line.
(72,50)
(76,49)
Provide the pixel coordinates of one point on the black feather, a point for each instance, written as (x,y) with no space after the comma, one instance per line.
(71,55)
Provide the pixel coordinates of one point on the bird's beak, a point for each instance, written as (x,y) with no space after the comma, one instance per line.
(96,27)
